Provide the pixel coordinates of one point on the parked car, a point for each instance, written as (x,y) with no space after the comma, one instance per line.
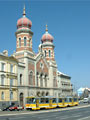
(16,107)
(12,108)
(85,100)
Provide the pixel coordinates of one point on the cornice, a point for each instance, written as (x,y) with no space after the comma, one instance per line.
(24,31)
(11,58)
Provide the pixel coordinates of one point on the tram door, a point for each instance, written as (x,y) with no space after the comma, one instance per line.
(72,101)
(63,103)
(37,103)
(50,102)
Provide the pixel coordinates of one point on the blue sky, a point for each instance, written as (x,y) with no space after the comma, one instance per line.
(68,22)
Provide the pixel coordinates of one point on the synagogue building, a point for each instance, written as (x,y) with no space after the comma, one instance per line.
(35,74)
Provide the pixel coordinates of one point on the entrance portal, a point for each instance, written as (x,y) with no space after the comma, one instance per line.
(21,99)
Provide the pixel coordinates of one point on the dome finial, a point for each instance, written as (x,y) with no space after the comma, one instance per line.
(24,11)
(46,28)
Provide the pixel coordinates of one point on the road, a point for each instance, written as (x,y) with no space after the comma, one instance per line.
(70,113)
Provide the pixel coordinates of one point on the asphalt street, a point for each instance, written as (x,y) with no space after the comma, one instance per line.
(71,113)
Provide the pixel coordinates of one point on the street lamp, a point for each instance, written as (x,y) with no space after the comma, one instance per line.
(10,89)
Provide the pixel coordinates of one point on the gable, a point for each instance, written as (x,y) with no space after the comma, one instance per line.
(42,66)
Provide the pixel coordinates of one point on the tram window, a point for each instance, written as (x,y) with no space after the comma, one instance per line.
(27,100)
(47,100)
(65,99)
(31,100)
(42,100)
(70,99)
(75,99)
(54,100)
(60,100)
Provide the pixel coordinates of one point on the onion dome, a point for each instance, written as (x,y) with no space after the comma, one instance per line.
(24,21)
(47,37)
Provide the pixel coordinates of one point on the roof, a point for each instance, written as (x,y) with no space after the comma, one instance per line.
(8,57)
(63,75)
(82,89)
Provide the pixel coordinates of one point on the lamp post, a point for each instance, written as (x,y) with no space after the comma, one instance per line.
(10,95)
(10,89)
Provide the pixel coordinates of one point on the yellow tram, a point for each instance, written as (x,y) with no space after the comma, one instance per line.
(36,103)
(61,102)
(72,101)
(48,102)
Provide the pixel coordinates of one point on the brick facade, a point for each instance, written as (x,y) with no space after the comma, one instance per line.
(42,69)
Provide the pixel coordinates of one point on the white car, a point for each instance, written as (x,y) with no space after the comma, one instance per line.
(85,100)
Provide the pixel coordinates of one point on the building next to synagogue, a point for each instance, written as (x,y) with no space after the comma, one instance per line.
(64,83)
(37,73)
(8,79)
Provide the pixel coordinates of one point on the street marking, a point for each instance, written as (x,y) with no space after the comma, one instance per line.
(77,115)
(41,117)
(70,117)
(57,117)
(45,119)
(84,118)
(17,118)
(87,112)
(65,117)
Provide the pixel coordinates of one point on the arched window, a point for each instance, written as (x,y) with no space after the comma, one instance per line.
(11,95)
(38,94)
(2,95)
(41,81)
(31,78)
(43,93)
(11,82)
(37,80)
(45,81)
(19,42)
(2,79)
(30,42)
(49,53)
(21,96)
(2,66)
(25,41)
(47,93)
(20,79)
(11,68)
(45,53)
(54,82)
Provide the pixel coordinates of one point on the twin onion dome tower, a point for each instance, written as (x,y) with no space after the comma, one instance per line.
(24,38)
